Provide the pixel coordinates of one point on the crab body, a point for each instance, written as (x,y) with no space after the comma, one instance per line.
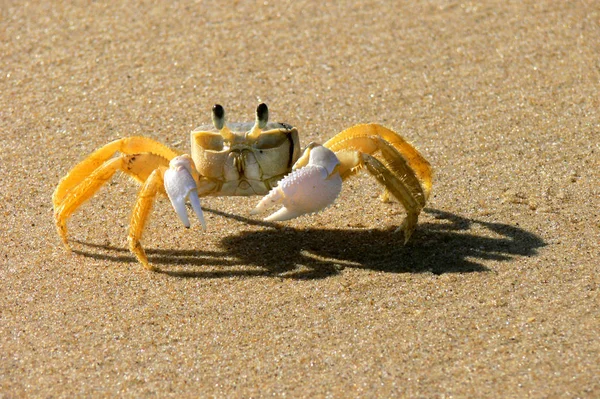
(243,166)
(241,159)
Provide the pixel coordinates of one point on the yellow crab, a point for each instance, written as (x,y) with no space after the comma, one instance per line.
(260,158)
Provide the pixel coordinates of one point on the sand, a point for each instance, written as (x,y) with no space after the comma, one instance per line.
(496,294)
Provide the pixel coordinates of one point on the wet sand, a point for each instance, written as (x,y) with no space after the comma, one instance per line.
(496,294)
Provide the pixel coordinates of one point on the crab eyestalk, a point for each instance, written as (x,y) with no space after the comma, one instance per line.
(218,116)
(218,119)
(262,117)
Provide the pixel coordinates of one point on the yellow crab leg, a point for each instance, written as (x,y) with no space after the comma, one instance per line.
(128,145)
(400,190)
(395,163)
(141,210)
(139,166)
(368,138)
(401,186)
(400,167)
(179,182)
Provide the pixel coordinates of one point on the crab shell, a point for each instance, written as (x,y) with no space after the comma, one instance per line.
(241,164)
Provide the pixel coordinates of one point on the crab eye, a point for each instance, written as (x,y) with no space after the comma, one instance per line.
(218,116)
(262,115)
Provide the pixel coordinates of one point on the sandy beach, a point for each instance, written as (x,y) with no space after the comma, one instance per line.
(497,294)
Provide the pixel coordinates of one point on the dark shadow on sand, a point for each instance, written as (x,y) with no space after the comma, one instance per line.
(446,246)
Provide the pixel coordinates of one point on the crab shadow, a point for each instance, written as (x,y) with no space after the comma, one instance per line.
(451,244)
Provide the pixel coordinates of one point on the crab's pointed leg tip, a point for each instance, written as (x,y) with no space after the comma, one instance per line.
(153,268)
(406,230)
(150,267)
(67,246)
(62,232)
(63,238)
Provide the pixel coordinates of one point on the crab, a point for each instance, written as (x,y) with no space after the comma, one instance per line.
(249,158)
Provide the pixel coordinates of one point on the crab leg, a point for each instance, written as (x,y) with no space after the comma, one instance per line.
(400,190)
(179,182)
(371,137)
(314,184)
(396,164)
(128,145)
(139,166)
(139,216)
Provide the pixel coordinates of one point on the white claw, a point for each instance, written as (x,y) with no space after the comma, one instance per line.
(180,186)
(305,190)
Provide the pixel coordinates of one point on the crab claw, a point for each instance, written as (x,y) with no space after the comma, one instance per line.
(309,188)
(181,186)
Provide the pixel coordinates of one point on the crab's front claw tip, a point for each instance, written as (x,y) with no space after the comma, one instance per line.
(305,190)
(277,197)
(195,201)
(180,186)
(257,209)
